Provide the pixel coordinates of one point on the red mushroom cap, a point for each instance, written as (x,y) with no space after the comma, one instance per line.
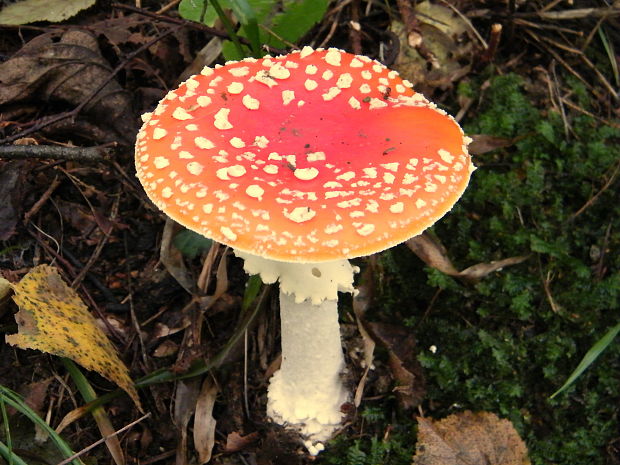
(313,156)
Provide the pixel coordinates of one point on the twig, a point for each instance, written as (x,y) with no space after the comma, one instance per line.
(47,152)
(96,443)
(593,199)
(44,198)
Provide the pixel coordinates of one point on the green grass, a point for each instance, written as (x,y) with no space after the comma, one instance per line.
(508,343)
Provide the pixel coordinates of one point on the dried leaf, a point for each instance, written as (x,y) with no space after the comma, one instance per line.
(444,35)
(235,442)
(67,68)
(29,11)
(52,318)
(469,438)
(204,423)
(483,143)
(406,370)
(432,252)
(184,407)
(5,288)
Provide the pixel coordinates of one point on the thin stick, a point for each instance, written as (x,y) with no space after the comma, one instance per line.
(47,152)
(95,444)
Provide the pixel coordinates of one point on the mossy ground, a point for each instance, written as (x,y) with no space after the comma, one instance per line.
(508,342)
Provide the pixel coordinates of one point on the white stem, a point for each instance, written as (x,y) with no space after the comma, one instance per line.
(307,391)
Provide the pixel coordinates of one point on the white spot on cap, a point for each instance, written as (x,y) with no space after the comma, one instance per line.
(331,94)
(445,155)
(327,74)
(192,84)
(220,120)
(166,192)
(239,72)
(250,103)
(333,57)
(333,228)
(306,51)
(346,176)
(271,169)
(180,114)
(400,88)
(355,103)
(306,174)
(391,166)
(420,203)
(355,63)
(377,103)
(442,179)
(377,68)
(310,84)
(370,172)
(235,88)
(261,141)
(236,170)
(315,156)
(278,71)
(264,77)
(255,191)
(344,81)
(430,187)
(366,74)
(397,207)
(192,127)
(206,71)
(145,117)
(203,143)
(161,162)
(237,143)
(287,96)
(203,101)
(228,233)
(207,208)
(222,174)
(365,229)
(194,168)
(311,69)
(185,154)
(299,214)
(365,89)
(159,133)
(389,178)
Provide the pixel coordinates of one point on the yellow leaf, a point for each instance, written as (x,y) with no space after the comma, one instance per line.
(52,318)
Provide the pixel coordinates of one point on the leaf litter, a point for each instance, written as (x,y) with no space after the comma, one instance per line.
(53,319)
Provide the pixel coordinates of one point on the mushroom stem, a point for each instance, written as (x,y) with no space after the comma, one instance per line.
(307,391)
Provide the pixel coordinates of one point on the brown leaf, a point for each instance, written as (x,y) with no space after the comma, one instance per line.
(432,252)
(184,407)
(67,71)
(483,143)
(12,177)
(235,442)
(406,370)
(52,318)
(204,423)
(469,438)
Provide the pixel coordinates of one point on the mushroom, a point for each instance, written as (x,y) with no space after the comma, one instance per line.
(299,163)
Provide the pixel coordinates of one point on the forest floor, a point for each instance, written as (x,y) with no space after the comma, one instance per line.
(489,312)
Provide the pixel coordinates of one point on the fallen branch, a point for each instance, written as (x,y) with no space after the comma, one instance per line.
(54,152)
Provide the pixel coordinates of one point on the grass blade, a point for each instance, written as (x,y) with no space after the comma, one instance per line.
(7,453)
(14,400)
(99,413)
(590,357)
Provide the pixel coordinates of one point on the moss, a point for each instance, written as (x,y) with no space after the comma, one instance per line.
(508,342)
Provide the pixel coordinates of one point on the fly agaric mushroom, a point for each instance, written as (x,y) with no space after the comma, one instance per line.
(300,162)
